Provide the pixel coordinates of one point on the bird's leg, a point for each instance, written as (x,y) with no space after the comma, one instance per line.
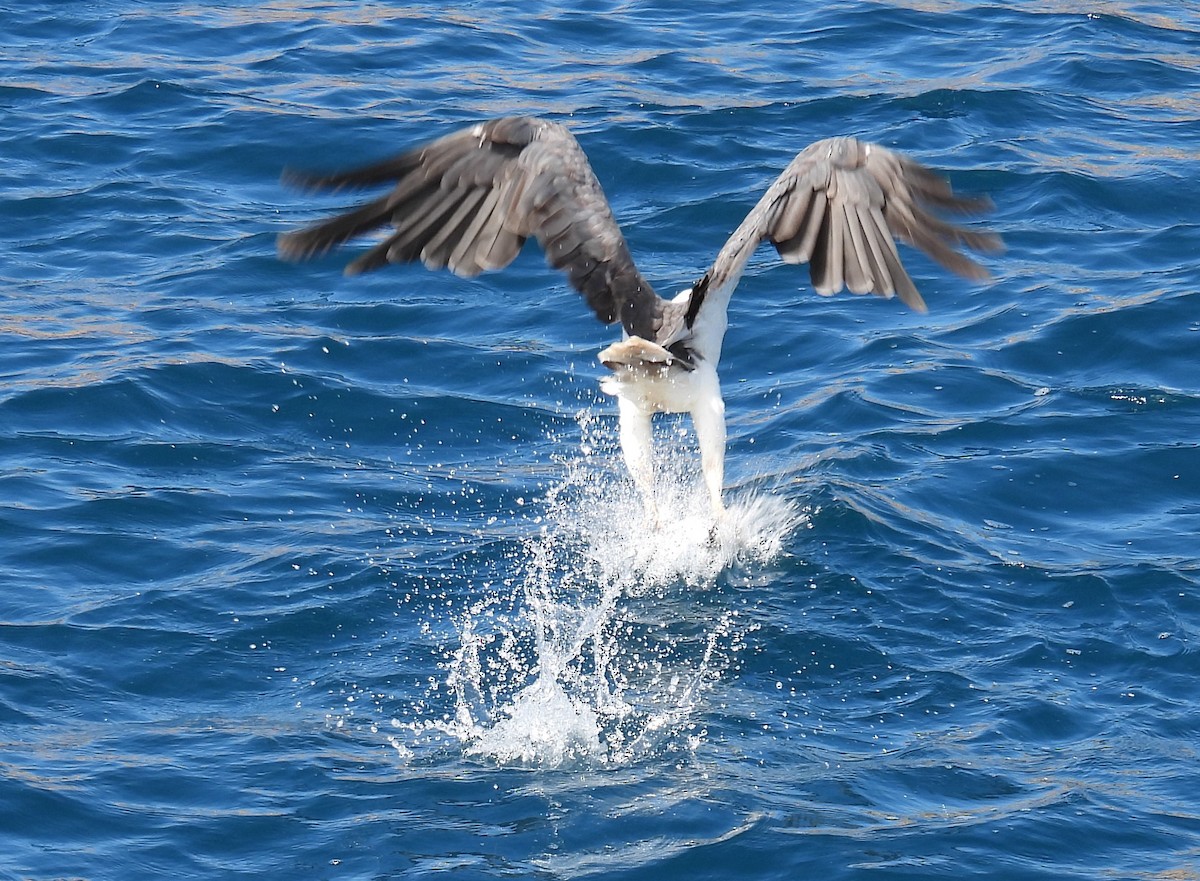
(636,447)
(709,420)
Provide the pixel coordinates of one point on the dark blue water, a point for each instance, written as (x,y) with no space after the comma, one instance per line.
(315,577)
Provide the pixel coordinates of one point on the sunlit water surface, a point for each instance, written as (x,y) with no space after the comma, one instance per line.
(316,577)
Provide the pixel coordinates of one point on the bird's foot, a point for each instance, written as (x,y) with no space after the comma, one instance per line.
(651,515)
(714,536)
(718,522)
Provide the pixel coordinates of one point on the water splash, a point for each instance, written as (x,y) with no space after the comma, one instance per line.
(603,652)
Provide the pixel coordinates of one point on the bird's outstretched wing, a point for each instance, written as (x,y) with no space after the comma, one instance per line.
(840,206)
(468,202)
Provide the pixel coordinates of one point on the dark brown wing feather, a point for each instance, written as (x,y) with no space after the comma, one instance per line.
(469,201)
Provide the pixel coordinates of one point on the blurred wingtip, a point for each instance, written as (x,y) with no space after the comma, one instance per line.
(301,180)
(913,300)
(286,248)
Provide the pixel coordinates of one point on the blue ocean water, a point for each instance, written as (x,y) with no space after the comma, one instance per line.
(307,576)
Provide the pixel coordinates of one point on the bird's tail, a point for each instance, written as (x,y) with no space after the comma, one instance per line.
(633,359)
(638,355)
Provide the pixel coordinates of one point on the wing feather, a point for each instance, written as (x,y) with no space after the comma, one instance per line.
(792,212)
(463,258)
(436,252)
(468,202)
(840,206)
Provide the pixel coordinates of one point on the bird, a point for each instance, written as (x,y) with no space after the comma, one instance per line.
(469,200)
